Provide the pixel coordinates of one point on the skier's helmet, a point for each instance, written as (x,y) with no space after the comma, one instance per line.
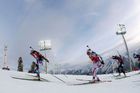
(114,57)
(88,51)
(135,55)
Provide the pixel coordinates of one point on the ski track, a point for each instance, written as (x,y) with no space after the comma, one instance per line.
(10,85)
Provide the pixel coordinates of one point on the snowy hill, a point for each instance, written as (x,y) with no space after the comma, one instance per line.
(64,84)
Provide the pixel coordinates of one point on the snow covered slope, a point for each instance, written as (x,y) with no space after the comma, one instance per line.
(64,84)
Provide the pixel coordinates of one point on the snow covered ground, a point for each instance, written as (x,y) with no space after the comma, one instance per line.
(10,85)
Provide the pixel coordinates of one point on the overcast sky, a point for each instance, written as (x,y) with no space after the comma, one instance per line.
(69,24)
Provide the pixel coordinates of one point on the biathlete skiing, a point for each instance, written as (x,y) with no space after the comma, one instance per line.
(97,63)
(120,64)
(137,56)
(39,60)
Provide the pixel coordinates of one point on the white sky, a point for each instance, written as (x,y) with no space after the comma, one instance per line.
(69,24)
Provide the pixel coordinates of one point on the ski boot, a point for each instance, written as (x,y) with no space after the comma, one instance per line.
(98,79)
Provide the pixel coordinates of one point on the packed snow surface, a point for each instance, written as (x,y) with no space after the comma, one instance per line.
(66,83)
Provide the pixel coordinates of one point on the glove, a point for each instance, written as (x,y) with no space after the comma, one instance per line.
(102,62)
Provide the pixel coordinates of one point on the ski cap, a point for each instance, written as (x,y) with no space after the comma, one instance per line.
(89,51)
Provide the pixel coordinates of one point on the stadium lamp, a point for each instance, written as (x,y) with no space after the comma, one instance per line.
(121,30)
(45,45)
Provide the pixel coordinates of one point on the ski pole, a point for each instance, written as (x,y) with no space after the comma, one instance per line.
(88,46)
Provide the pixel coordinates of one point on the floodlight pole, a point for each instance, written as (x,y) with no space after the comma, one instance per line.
(5,56)
(44,48)
(46,70)
(46,65)
(122,33)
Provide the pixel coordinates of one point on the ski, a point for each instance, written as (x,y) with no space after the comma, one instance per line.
(92,82)
(83,80)
(40,78)
(116,75)
(31,79)
(121,77)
